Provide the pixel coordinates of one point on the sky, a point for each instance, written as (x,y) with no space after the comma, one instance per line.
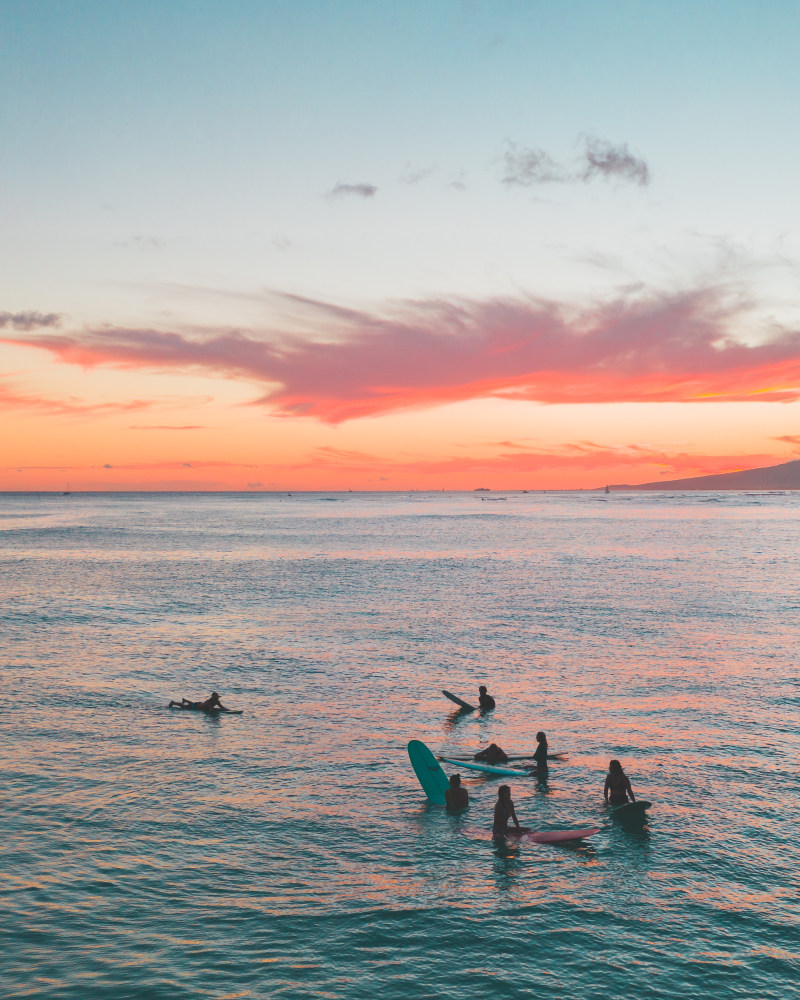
(380,246)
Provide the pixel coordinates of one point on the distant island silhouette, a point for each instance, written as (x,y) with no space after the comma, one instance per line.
(773,477)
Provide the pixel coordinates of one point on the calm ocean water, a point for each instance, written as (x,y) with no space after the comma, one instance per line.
(290,852)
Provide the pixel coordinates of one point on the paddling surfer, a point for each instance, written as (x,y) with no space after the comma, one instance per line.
(456,797)
(617,787)
(493,754)
(503,812)
(485,700)
(212,704)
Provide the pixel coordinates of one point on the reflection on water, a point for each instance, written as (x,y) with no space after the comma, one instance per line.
(290,851)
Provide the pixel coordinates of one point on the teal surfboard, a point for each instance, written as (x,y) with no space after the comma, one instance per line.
(475,765)
(427,769)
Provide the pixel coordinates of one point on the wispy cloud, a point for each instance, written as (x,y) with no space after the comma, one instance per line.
(166,427)
(28,320)
(13,398)
(169,465)
(792,439)
(603,159)
(578,456)
(458,181)
(352,190)
(350,364)
(142,243)
(413,175)
(525,166)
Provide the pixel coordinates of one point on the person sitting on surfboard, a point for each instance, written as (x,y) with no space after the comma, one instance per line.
(503,812)
(456,797)
(618,786)
(493,754)
(486,701)
(209,705)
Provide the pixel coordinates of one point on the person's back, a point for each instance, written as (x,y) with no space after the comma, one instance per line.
(493,754)
(501,814)
(617,787)
(485,700)
(455,796)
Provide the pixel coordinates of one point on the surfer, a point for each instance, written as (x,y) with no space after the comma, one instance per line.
(618,787)
(211,704)
(486,701)
(493,754)
(540,754)
(455,796)
(503,812)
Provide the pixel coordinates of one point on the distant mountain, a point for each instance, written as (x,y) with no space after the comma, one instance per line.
(774,477)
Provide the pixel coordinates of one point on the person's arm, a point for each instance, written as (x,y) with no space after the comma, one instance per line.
(605,790)
(630,790)
(513,813)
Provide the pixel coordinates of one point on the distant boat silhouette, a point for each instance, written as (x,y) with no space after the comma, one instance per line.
(607,490)
(67,492)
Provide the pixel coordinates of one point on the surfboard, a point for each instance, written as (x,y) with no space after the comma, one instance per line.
(526,756)
(462,704)
(428,771)
(557,836)
(631,810)
(476,765)
(204,711)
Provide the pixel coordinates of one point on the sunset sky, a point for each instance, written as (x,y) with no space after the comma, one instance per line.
(381,245)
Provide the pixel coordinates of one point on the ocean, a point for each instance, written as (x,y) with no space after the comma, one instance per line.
(290,852)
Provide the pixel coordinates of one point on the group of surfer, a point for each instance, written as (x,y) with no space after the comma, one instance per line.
(617,791)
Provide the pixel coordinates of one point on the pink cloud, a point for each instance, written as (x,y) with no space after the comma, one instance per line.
(11,398)
(352,364)
(574,456)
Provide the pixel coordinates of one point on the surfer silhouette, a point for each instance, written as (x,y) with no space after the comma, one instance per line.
(540,754)
(503,812)
(617,787)
(455,796)
(493,754)
(486,701)
(209,705)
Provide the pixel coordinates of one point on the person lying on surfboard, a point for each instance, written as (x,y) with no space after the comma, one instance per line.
(456,797)
(485,700)
(503,812)
(493,754)
(212,704)
(618,787)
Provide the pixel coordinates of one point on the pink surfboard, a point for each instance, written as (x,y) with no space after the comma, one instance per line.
(555,836)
